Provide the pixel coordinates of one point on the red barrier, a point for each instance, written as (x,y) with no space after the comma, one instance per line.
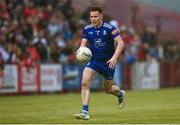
(126,77)
(170,74)
(28,79)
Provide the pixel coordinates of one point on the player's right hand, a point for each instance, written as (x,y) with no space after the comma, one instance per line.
(112,63)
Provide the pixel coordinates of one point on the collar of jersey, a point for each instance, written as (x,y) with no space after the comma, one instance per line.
(100,26)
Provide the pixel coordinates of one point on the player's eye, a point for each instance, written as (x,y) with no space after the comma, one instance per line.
(93,16)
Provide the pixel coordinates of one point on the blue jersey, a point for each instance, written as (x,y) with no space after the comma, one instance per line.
(101,40)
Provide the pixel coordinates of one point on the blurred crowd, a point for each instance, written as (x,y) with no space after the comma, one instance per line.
(148,43)
(49,31)
(40,31)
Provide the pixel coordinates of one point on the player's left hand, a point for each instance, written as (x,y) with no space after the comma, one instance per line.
(112,63)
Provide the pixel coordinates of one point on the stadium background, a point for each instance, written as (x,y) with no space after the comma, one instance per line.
(38,40)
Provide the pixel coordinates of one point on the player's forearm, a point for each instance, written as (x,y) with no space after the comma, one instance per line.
(119,49)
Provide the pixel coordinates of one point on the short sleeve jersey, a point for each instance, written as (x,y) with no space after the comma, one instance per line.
(101,40)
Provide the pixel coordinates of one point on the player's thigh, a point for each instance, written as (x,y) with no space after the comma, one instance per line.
(88,75)
(108,84)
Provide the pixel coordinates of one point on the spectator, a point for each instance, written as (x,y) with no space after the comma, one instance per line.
(149,37)
(41,43)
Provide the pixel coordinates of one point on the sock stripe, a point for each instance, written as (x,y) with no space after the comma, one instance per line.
(85,108)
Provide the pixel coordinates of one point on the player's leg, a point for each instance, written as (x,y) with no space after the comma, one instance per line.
(88,75)
(110,88)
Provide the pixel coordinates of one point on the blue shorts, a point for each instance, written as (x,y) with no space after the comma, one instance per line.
(102,68)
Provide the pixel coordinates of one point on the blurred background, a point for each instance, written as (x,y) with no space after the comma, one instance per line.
(39,38)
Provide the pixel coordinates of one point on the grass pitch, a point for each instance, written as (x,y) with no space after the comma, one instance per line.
(150,106)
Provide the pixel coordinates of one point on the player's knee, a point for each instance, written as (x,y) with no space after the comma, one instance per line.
(108,91)
(84,84)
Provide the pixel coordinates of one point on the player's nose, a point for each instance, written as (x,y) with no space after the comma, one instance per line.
(93,18)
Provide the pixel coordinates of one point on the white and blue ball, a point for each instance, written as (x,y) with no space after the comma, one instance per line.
(83,54)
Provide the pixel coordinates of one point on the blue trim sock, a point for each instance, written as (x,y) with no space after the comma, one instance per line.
(85,108)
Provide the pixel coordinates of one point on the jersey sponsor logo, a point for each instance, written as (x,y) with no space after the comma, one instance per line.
(99,43)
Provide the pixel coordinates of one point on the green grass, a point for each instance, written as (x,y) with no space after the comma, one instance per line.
(152,106)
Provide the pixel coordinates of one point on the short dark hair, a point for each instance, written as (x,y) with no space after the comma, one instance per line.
(96,8)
